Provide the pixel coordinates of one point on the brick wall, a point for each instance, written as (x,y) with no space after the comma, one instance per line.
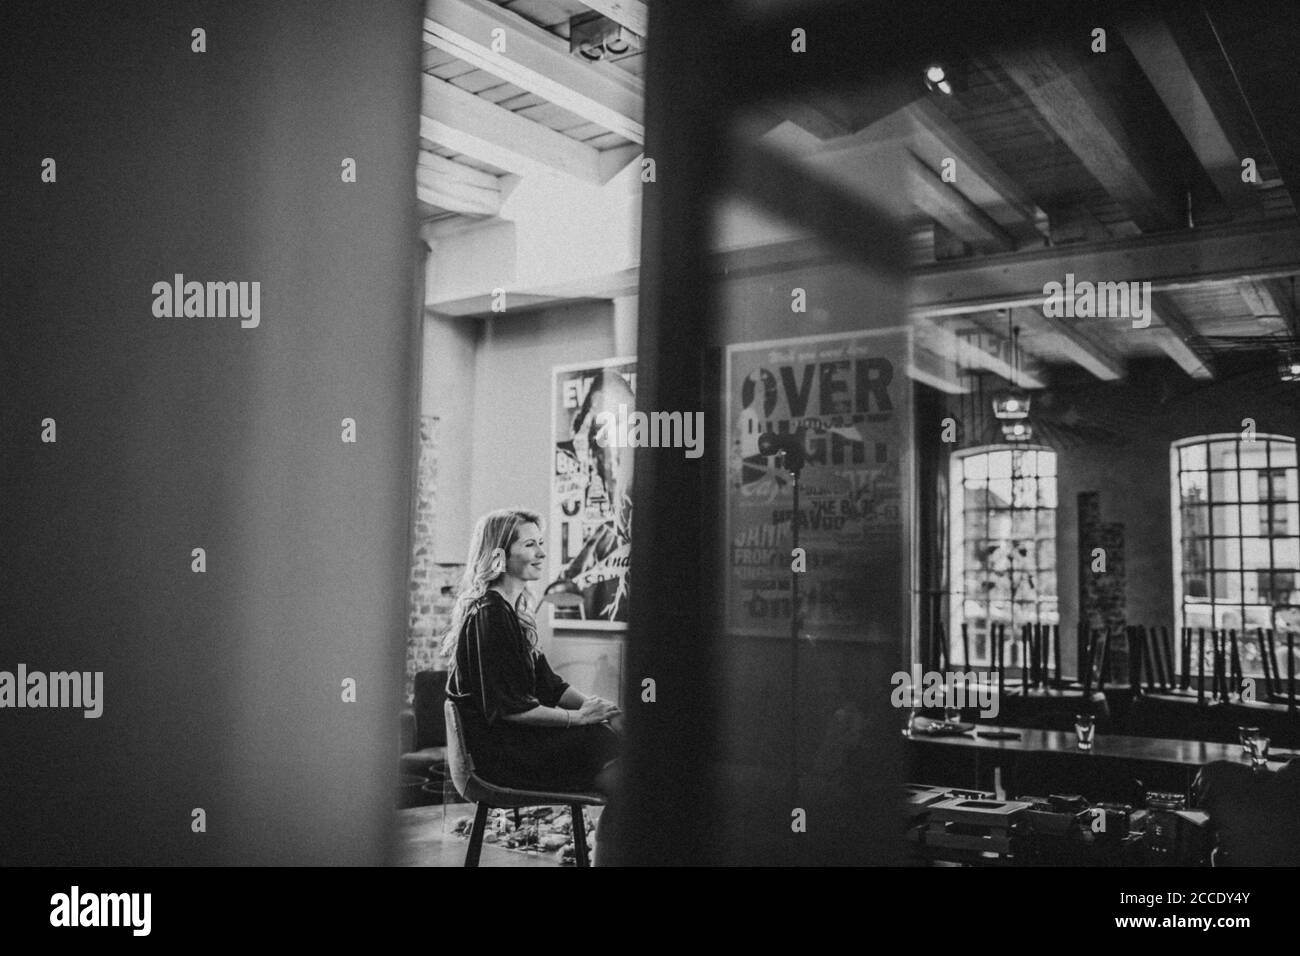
(432,585)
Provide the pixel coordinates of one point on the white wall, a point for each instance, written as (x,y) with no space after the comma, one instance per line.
(489,381)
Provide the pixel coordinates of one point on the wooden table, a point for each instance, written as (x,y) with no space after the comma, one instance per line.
(1050,758)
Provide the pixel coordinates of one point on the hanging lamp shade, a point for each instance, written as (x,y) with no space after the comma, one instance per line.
(1018,431)
(1011,404)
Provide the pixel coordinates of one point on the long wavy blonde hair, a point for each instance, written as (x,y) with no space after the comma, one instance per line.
(495,530)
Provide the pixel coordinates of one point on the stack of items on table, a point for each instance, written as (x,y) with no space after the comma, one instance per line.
(972,825)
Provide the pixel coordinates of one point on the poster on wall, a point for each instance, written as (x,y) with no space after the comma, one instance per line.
(848,397)
(591,498)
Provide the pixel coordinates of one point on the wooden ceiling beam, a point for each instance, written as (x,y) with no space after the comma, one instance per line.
(537,61)
(1174,335)
(1270,302)
(469,124)
(1176,260)
(1099,360)
(1172,76)
(1081,114)
(455,187)
(948,345)
(947,205)
(983,208)
(633,14)
(936,138)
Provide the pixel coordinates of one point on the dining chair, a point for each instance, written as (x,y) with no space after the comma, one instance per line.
(487,795)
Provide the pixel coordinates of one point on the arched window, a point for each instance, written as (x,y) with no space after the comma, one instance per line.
(1003,527)
(1236,523)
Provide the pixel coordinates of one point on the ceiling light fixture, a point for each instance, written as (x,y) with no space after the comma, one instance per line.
(596,37)
(1012,404)
(1017,431)
(937,79)
(620,42)
(944,71)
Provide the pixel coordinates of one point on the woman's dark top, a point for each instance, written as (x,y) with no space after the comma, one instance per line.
(497,672)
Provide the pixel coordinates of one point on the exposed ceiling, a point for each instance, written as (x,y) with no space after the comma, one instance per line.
(1117,165)
(1075,149)
(503,95)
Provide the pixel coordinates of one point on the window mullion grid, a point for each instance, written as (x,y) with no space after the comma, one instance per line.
(1212,567)
(988,538)
(1241,541)
(1272,532)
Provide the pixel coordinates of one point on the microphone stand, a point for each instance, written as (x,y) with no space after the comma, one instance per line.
(789,449)
(796,625)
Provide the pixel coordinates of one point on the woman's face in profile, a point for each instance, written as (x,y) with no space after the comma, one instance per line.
(526,555)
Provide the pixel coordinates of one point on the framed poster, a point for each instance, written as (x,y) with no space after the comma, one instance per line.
(850,396)
(591,498)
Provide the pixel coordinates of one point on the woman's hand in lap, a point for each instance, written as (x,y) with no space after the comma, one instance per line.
(594,710)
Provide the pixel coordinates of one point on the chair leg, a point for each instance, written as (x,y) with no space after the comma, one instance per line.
(579,835)
(476,835)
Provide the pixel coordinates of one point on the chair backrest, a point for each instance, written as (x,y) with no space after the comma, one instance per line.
(1098,660)
(459,761)
(430,725)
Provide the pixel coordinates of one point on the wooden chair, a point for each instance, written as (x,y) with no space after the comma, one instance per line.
(1097,661)
(488,795)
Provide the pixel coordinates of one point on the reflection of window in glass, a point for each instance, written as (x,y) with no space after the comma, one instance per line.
(1003,545)
(1238,536)
(1272,497)
(1275,588)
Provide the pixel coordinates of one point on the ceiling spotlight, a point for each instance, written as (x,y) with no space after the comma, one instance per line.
(596,37)
(1011,404)
(937,79)
(620,42)
(944,71)
(1017,431)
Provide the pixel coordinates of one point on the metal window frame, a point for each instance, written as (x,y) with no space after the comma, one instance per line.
(1182,601)
(957,532)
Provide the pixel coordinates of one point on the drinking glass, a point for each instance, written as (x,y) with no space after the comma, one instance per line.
(910,729)
(952,715)
(1258,745)
(1244,734)
(1085,726)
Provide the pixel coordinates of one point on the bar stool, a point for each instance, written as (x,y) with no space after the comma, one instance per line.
(487,795)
